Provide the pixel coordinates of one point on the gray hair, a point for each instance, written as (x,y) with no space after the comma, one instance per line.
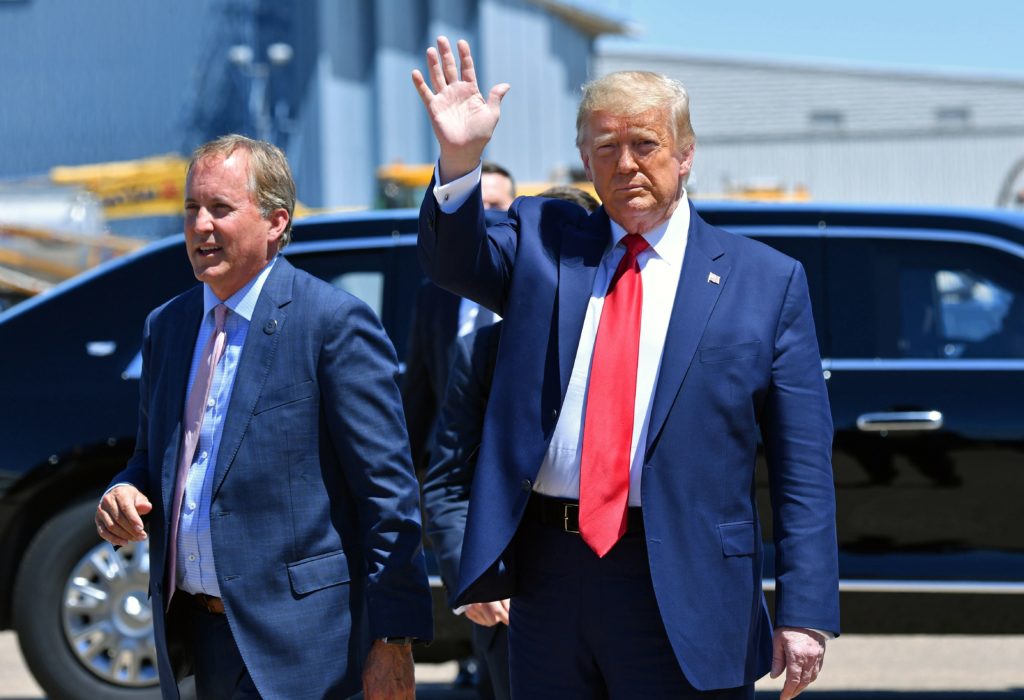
(633,92)
(270,179)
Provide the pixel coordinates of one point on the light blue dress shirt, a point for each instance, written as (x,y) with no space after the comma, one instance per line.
(197,571)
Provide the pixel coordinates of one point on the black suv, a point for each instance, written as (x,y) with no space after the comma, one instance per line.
(920,317)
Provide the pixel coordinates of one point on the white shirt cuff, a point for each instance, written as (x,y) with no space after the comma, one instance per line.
(120,483)
(453,195)
(827,635)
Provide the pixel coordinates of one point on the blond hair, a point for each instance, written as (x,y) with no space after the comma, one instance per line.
(270,179)
(633,92)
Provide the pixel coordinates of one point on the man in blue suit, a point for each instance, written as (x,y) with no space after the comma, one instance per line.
(295,568)
(613,498)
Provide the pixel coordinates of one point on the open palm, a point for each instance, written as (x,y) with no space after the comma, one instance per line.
(463,121)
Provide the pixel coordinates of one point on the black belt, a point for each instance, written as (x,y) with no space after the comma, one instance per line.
(565,515)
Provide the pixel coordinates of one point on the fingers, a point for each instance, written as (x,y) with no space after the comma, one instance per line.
(778,656)
(500,609)
(488,614)
(118,519)
(802,652)
(497,94)
(798,677)
(444,70)
(434,70)
(448,65)
(424,91)
(466,61)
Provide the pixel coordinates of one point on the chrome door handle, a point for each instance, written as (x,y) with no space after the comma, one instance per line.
(900,420)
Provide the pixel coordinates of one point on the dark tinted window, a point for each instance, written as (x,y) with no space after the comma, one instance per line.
(924,299)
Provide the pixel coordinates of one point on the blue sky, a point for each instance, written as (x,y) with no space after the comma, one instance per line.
(973,36)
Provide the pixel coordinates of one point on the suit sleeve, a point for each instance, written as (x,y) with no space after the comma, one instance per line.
(460,253)
(448,481)
(363,409)
(136,472)
(797,431)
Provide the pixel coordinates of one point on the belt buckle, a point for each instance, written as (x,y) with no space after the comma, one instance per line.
(567,508)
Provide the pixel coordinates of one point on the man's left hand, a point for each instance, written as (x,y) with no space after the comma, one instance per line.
(800,652)
(389,673)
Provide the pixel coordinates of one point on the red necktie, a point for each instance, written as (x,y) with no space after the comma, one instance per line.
(195,411)
(611,395)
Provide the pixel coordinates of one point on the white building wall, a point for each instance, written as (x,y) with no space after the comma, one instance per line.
(901,137)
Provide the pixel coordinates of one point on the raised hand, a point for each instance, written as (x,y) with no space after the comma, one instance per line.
(463,121)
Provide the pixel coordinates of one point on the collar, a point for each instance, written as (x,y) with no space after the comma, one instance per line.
(242,302)
(667,240)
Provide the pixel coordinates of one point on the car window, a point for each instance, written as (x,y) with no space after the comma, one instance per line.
(924,299)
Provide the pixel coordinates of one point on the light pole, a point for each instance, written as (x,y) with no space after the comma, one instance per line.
(258,73)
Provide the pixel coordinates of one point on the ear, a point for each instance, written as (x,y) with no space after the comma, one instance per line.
(278,223)
(686,162)
(585,157)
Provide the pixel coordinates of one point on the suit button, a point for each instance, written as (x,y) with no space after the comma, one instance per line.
(554,414)
(526,485)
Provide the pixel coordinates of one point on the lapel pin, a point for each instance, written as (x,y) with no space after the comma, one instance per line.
(713,278)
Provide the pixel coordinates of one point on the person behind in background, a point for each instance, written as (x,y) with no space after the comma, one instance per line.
(438,318)
(643,354)
(271,464)
(497,186)
(447,483)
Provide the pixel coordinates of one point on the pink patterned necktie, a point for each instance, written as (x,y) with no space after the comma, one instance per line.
(611,397)
(195,410)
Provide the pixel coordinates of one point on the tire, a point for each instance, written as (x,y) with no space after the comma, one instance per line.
(82,612)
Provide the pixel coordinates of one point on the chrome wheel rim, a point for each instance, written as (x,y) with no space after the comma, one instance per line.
(108,619)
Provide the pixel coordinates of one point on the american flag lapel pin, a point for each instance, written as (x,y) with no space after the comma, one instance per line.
(713,278)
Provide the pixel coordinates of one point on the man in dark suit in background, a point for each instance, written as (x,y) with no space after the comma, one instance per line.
(642,354)
(438,318)
(281,503)
(448,482)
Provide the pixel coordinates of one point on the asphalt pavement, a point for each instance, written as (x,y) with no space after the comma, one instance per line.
(857,667)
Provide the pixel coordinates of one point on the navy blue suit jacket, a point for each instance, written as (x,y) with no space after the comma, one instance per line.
(315,512)
(432,333)
(448,481)
(740,360)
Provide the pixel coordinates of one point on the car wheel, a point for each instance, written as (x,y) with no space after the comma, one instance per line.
(82,612)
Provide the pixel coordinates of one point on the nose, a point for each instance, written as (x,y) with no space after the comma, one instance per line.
(203,220)
(626,162)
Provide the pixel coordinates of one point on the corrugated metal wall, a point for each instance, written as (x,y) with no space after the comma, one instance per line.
(87,82)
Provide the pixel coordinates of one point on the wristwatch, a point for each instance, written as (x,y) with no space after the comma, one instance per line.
(397,640)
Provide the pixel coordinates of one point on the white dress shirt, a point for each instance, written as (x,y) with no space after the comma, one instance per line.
(660,266)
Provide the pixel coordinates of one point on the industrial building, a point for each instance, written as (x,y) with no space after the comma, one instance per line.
(328,80)
(838,133)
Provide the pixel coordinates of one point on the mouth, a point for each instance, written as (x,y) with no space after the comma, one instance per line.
(207,251)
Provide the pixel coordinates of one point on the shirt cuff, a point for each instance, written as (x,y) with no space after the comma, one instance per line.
(453,195)
(824,633)
(120,483)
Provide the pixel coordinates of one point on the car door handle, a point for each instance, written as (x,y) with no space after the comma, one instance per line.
(899,420)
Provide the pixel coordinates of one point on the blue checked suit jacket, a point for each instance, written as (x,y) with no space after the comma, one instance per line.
(315,512)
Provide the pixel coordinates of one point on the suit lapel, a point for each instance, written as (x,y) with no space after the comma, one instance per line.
(696,297)
(261,343)
(580,255)
(179,347)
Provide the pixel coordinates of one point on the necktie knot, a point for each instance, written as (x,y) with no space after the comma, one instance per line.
(220,312)
(635,244)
